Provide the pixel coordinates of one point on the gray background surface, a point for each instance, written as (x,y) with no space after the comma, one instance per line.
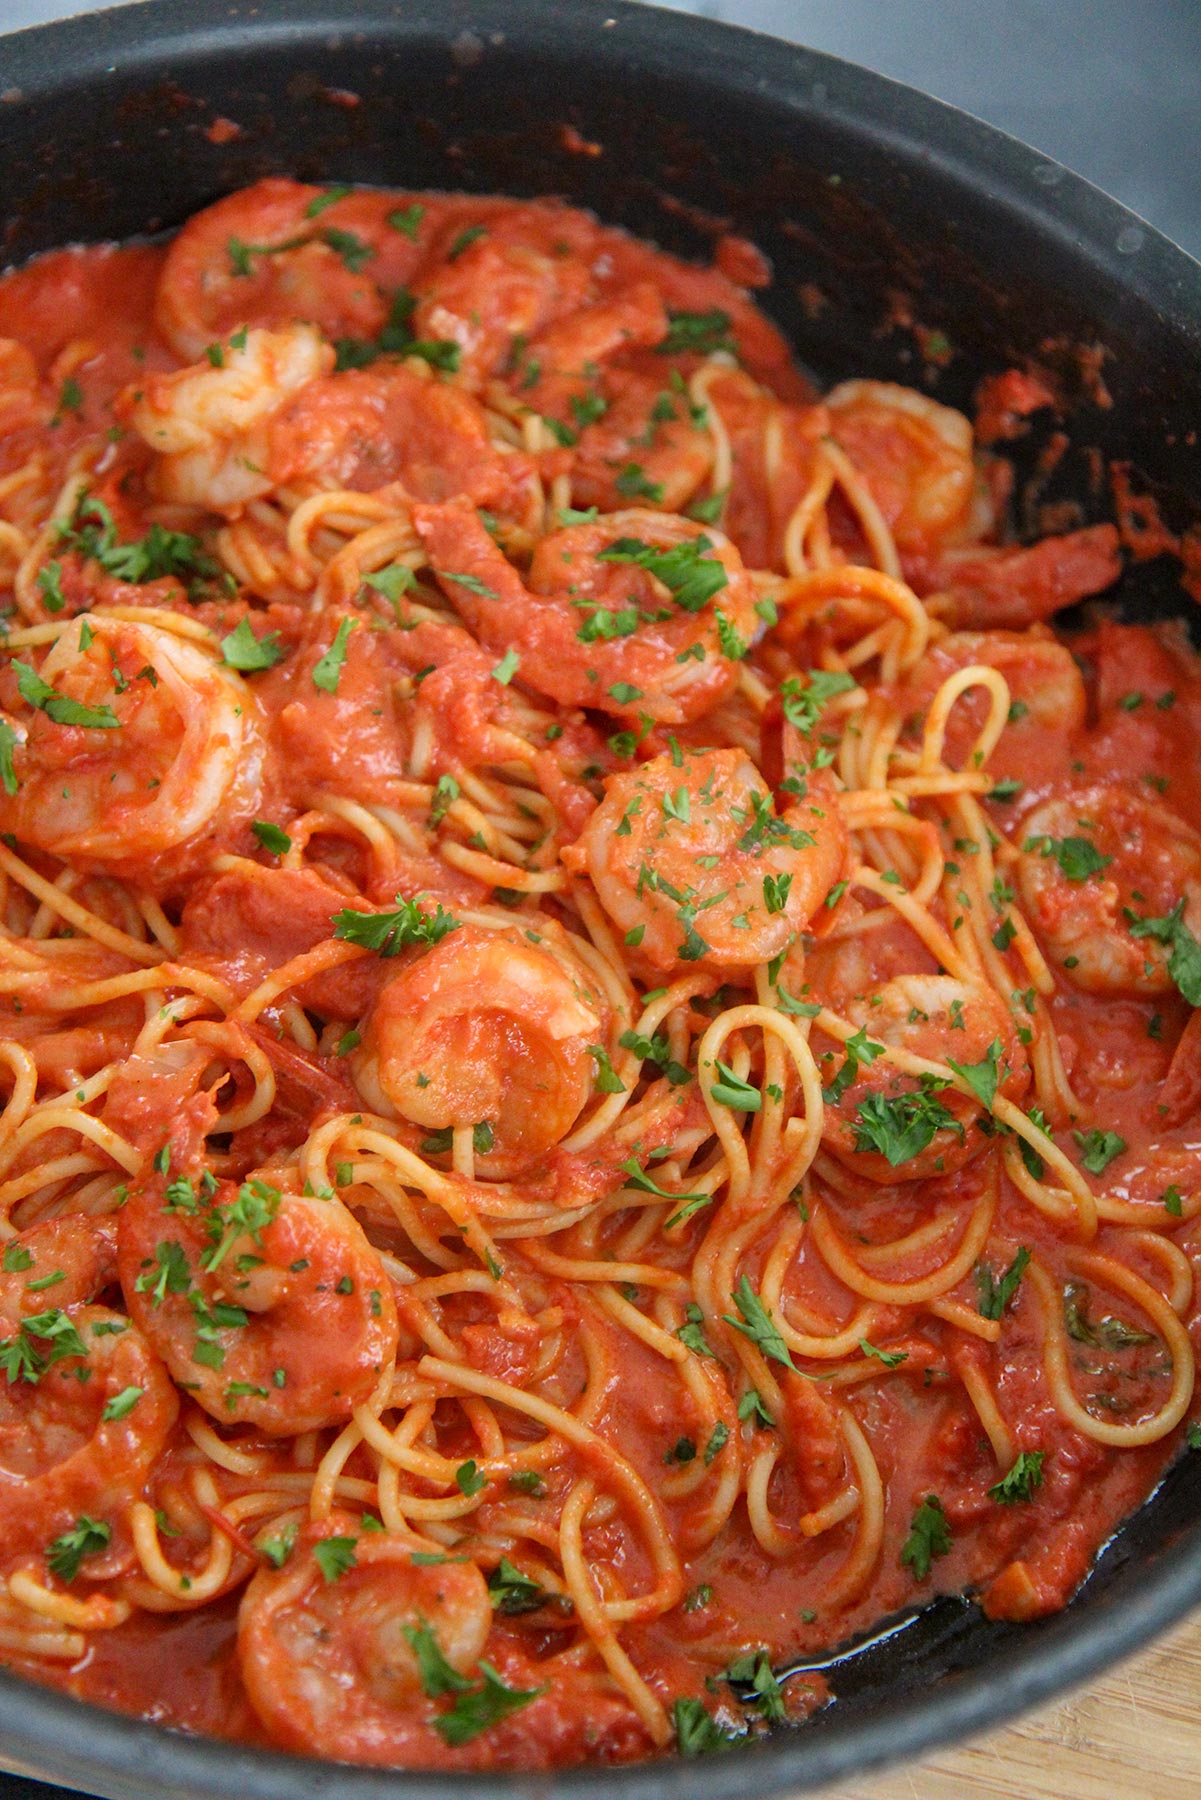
(1112,88)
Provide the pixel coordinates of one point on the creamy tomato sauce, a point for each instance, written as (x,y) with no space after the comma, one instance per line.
(597,1009)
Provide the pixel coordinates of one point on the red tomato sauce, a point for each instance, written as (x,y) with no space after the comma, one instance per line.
(440,628)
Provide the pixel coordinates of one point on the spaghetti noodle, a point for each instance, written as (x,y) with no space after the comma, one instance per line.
(599,1077)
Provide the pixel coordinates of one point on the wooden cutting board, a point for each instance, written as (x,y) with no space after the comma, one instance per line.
(1133,1735)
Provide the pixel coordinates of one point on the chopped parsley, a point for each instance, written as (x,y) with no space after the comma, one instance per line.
(981,1077)
(388,932)
(59,707)
(633,483)
(929,1536)
(248,1215)
(995,1296)
(512,1592)
(41,1339)
(92,532)
(691,577)
(67,1552)
(242,650)
(123,1403)
(469,1479)
(803,705)
(273,838)
(901,1128)
(735,1093)
(697,1731)
(335,1556)
(606,1080)
(656,1049)
(8,743)
(327,671)
(1078,858)
(1021,1481)
(697,333)
(692,1333)
(754,1670)
(1110,1332)
(508,665)
(1184,963)
(757,1324)
(476,1709)
(1098,1148)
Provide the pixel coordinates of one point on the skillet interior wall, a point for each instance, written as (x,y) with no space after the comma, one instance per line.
(102,137)
(113,141)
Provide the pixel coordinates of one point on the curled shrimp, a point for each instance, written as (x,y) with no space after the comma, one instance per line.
(261,256)
(273,1309)
(61,1262)
(133,744)
(209,425)
(915,455)
(693,863)
(631,613)
(330,1665)
(934,1017)
(486,1028)
(1012,585)
(1095,862)
(365,428)
(65,1448)
(1045,685)
(341,1667)
(483,288)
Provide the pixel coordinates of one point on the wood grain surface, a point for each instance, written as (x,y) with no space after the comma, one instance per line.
(1133,1735)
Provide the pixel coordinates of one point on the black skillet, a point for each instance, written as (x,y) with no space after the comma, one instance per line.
(881,211)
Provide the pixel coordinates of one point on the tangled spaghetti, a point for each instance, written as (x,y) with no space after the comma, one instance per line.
(597,1026)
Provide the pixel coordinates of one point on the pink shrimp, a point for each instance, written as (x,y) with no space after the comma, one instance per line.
(486,1029)
(635,613)
(273,1308)
(692,862)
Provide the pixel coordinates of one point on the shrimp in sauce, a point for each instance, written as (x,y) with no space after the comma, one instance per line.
(272,1307)
(1097,865)
(132,743)
(693,863)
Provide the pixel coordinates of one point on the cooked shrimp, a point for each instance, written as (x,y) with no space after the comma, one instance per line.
(330,1665)
(551,373)
(209,426)
(691,861)
(1095,862)
(1042,674)
(490,1029)
(1011,585)
(60,1456)
(61,1262)
(934,1017)
(365,428)
(262,257)
(915,455)
(273,1309)
(169,747)
(630,417)
(1046,695)
(503,281)
(625,614)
